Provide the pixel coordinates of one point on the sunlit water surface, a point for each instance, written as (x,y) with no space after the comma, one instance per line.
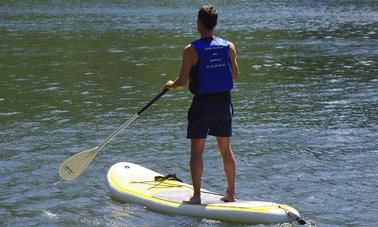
(306,106)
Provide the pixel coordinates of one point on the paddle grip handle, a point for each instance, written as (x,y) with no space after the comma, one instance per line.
(152,101)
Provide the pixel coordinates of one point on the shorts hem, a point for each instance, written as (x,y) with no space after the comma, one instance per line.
(196,137)
(221,135)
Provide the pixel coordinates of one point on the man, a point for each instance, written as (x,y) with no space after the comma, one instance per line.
(210,65)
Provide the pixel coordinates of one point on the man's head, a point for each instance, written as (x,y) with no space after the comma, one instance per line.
(208,16)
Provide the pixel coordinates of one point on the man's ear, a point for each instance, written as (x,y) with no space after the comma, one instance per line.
(199,26)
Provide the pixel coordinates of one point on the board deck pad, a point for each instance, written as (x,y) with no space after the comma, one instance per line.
(180,195)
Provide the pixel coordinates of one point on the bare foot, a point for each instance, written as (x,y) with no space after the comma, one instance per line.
(193,201)
(228,198)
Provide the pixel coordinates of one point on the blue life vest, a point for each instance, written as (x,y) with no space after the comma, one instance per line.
(213,72)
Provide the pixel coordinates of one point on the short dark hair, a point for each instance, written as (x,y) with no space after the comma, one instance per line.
(208,16)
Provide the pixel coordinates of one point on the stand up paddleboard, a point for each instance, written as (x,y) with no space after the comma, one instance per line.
(133,183)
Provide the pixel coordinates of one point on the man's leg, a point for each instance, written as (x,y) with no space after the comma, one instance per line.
(225,149)
(196,168)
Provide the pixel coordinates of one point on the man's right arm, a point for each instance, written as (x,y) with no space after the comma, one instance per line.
(234,63)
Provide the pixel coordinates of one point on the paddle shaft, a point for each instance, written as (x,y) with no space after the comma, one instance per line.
(130,120)
(76,164)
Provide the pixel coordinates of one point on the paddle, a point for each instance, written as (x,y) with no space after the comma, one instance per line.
(76,164)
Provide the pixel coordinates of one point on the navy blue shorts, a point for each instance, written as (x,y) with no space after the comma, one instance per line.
(210,114)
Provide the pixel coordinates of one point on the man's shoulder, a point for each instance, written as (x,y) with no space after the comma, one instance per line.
(230,44)
(190,53)
(189,48)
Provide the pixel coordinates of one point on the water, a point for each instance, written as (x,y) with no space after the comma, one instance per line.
(306,123)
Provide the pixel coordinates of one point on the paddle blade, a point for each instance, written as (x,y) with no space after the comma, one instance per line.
(76,164)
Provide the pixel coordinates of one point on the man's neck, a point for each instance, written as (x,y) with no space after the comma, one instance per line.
(206,34)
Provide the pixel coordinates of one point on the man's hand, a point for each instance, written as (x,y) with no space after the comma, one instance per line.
(170,84)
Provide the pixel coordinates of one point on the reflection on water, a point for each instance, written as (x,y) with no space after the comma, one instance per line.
(306,106)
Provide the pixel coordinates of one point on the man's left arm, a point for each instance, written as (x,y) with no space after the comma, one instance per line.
(187,63)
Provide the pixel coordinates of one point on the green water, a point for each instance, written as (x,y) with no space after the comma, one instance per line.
(306,106)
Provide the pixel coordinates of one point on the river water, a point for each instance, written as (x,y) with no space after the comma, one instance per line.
(306,106)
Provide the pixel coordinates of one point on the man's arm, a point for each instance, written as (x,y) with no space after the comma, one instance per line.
(188,60)
(234,63)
